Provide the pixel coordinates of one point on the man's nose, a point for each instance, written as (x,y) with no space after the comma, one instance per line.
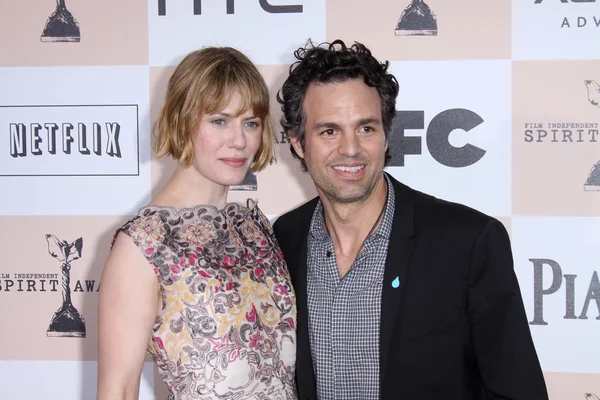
(349,144)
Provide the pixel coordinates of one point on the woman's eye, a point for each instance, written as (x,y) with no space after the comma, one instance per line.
(252,124)
(218,122)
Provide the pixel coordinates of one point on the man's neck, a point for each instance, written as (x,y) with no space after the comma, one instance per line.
(349,224)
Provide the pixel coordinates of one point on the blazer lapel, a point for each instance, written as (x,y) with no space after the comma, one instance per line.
(306,379)
(296,259)
(396,267)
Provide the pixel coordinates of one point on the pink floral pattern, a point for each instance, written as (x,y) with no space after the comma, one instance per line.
(227,326)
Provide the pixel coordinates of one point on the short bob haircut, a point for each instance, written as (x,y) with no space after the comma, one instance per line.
(204,82)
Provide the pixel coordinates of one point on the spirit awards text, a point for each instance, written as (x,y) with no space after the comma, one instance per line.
(561,132)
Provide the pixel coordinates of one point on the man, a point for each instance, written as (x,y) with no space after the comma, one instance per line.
(400,295)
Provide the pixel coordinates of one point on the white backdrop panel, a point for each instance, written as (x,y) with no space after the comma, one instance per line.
(555,29)
(559,256)
(470,100)
(267,31)
(56,184)
(65,380)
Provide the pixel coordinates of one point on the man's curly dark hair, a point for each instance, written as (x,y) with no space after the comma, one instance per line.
(333,63)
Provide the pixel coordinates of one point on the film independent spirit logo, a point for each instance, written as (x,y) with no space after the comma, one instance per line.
(572,132)
(66,321)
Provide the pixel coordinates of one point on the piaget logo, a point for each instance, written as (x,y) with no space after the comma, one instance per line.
(545,284)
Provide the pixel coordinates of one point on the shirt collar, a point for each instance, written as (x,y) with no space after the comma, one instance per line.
(318,230)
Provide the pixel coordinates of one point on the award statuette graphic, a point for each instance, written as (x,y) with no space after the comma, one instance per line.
(67,322)
(249,183)
(61,26)
(417,20)
(593,92)
(592,184)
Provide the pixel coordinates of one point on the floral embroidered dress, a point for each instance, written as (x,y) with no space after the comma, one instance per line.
(227,325)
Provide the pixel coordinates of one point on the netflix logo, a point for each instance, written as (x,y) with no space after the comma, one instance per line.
(98,140)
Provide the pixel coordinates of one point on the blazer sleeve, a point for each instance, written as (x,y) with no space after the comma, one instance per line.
(502,342)
(277,231)
(277,227)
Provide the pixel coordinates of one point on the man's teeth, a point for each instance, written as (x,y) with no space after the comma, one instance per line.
(349,169)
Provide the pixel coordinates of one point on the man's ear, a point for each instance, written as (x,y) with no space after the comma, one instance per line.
(297,145)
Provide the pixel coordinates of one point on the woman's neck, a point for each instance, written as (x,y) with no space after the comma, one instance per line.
(188,188)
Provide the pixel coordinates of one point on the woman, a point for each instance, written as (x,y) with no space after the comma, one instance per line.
(198,282)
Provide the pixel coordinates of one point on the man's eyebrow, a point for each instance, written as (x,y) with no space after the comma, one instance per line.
(360,122)
(325,125)
(368,121)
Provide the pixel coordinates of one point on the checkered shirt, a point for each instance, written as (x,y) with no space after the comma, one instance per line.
(344,315)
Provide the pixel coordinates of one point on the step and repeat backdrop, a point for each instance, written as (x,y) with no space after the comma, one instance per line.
(499,108)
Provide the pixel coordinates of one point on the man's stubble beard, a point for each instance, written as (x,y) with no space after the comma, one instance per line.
(335,195)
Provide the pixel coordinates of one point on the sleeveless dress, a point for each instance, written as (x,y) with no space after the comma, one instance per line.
(227,328)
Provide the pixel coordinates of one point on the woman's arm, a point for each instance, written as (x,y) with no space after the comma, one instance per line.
(129,300)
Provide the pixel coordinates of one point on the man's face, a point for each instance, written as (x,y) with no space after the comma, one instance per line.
(345,144)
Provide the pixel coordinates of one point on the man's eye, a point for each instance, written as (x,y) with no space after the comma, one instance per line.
(328,132)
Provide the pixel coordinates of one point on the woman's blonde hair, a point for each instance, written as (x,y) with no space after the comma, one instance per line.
(204,82)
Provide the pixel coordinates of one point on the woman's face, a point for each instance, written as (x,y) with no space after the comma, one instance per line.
(225,143)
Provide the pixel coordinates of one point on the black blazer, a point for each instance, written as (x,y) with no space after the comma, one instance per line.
(456,326)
